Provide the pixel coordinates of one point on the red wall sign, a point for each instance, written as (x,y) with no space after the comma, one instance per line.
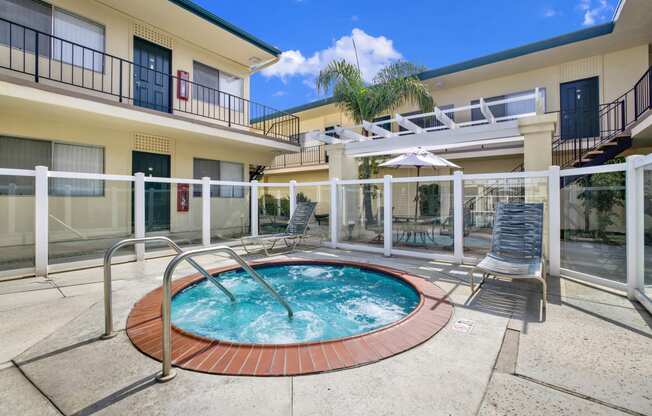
(183,197)
(183,87)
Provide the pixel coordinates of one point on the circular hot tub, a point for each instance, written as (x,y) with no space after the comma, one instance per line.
(345,314)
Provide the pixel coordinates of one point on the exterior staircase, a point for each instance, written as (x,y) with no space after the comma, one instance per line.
(616,120)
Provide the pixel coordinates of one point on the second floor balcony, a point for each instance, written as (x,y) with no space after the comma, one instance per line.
(310,156)
(147,83)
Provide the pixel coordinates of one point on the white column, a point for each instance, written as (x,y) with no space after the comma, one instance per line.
(387,215)
(634,226)
(254,208)
(41,213)
(293,196)
(333,213)
(139,213)
(206,211)
(458,217)
(554,221)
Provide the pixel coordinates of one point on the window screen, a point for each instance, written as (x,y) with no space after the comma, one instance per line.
(78,31)
(209,168)
(206,83)
(231,172)
(22,154)
(34,14)
(232,85)
(76,158)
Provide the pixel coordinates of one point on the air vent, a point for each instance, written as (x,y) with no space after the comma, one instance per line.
(153,144)
(152,35)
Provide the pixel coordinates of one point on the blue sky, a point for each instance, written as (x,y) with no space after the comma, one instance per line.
(432,33)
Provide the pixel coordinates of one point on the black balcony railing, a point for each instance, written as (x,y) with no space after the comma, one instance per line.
(614,120)
(102,74)
(308,156)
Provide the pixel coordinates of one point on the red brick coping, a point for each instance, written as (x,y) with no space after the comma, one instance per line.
(207,355)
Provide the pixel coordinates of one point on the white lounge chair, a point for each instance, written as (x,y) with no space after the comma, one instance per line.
(295,232)
(516,245)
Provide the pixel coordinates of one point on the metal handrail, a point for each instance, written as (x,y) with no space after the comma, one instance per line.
(167,373)
(108,304)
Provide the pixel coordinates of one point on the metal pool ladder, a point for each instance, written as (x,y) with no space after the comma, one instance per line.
(167,373)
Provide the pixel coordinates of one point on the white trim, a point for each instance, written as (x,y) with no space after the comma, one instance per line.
(139,214)
(443,178)
(333,212)
(322,183)
(486,111)
(506,175)
(41,219)
(361,181)
(634,209)
(643,161)
(293,196)
(554,221)
(458,216)
(618,167)
(407,124)
(360,247)
(91,176)
(594,280)
(17,172)
(172,180)
(387,216)
(12,274)
(265,184)
(205,211)
(425,255)
(254,208)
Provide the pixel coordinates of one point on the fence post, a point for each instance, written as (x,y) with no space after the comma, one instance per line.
(41,213)
(333,213)
(206,211)
(634,226)
(293,196)
(254,208)
(458,217)
(387,216)
(139,213)
(554,222)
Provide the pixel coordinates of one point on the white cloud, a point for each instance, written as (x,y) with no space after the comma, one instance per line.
(374,52)
(594,11)
(279,93)
(550,13)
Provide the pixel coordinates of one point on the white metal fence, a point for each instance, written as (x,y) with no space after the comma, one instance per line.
(598,219)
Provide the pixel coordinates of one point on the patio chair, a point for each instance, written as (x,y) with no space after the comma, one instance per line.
(295,231)
(516,245)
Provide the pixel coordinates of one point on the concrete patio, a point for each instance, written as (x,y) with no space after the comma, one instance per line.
(588,354)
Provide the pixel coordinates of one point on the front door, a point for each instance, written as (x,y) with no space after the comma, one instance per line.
(580,102)
(152,81)
(157,195)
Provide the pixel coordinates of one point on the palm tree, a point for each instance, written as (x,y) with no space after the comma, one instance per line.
(393,86)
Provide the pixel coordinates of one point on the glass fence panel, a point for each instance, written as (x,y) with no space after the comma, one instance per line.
(173,210)
(423,221)
(86,217)
(319,223)
(593,226)
(480,200)
(361,214)
(230,212)
(16,222)
(647,236)
(273,209)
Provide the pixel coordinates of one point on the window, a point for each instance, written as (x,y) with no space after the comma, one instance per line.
(26,154)
(206,83)
(219,170)
(386,126)
(22,154)
(233,85)
(33,14)
(78,31)
(507,109)
(76,158)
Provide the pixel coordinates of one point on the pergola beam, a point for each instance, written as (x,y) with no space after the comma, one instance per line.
(444,119)
(408,124)
(486,112)
(377,130)
(321,137)
(350,134)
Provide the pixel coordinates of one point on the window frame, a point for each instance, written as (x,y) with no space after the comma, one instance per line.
(217,191)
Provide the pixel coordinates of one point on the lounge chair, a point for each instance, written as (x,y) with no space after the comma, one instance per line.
(295,231)
(516,245)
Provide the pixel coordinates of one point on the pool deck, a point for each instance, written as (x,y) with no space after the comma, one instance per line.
(590,353)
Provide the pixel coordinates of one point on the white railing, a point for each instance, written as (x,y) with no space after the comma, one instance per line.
(379,215)
(534,103)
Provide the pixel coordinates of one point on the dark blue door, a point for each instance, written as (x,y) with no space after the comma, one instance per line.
(580,104)
(157,195)
(152,82)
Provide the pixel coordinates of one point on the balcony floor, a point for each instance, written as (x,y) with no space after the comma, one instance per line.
(589,354)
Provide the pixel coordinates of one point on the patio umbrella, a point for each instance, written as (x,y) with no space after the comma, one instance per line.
(419,159)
